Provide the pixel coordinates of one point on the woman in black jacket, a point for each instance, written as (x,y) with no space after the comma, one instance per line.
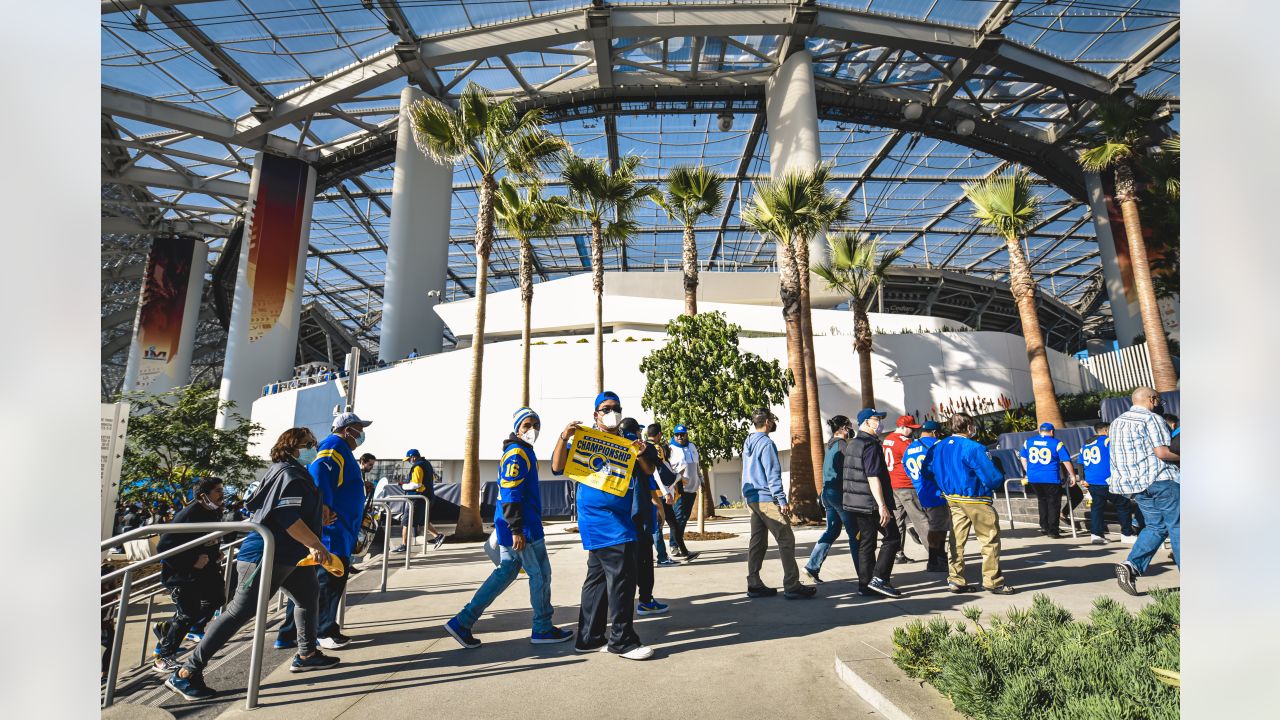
(193,578)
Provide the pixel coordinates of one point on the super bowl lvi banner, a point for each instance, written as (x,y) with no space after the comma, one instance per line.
(601,461)
(278,214)
(168,311)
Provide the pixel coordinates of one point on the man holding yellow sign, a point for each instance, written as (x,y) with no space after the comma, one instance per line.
(608,471)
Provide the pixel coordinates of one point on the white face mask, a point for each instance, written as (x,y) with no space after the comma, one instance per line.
(360,439)
(530,436)
(610,419)
(307,456)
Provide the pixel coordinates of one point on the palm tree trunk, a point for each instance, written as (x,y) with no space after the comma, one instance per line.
(469,524)
(1023,286)
(862,344)
(1162,371)
(813,411)
(804,497)
(690,264)
(597,285)
(526,297)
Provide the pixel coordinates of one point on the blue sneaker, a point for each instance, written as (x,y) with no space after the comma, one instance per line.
(653,607)
(283,644)
(554,635)
(195,637)
(191,688)
(317,661)
(461,634)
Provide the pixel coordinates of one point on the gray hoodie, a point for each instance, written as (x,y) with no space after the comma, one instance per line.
(761,470)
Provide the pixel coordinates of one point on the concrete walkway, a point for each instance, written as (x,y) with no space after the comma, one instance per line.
(717,651)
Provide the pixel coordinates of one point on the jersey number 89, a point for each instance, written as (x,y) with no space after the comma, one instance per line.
(1040,455)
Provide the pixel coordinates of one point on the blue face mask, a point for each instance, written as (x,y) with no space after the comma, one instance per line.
(307,456)
(360,439)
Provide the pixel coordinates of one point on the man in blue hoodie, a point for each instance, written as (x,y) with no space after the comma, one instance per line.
(608,533)
(521,543)
(770,513)
(341,483)
(963,471)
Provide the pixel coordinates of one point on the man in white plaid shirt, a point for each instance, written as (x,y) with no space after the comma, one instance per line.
(1145,469)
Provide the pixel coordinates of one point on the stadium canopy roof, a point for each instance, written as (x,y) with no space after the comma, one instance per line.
(191,89)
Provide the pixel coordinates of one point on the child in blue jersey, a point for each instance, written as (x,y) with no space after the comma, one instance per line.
(932,502)
(517,522)
(608,533)
(1042,454)
(962,470)
(1096,458)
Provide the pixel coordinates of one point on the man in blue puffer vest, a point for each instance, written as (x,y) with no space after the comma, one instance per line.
(964,472)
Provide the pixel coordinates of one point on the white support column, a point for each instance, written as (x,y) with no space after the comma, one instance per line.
(164,330)
(1124,310)
(262,339)
(418,251)
(791,111)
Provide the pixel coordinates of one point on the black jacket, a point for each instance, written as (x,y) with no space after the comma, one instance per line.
(180,569)
(860,461)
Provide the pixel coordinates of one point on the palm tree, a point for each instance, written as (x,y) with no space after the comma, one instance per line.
(525,217)
(497,139)
(603,196)
(1005,204)
(1125,131)
(778,208)
(692,194)
(857,268)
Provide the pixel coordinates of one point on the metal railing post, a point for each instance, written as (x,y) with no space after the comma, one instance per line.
(146,629)
(260,620)
(1008,504)
(408,547)
(117,642)
(386,542)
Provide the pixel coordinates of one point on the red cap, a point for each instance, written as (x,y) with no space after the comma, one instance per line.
(908,421)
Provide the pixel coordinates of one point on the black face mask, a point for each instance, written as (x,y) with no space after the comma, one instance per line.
(1158,409)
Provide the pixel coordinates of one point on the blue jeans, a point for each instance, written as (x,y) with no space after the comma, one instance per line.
(837,518)
(536,563)
(1101,495)
(1161,508)
(658,545)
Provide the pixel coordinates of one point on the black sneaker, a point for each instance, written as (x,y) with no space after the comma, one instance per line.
(813,574)
(676,552)
(884,588)
(191,687)
(865,591)
(435,544)
(317,661)
(1053,535)
(461,634)
(165,664)
(689,556)
(1126,575)
(761,592)
(800,592)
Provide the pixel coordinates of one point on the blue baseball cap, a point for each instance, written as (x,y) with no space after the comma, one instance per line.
(1046,426)
(411,453)
(607,395)
(865,413)
(930,426)
(680,430)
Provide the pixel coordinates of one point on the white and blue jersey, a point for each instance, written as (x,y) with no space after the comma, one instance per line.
(913,460)
(1044,455)
(519,494)
(1096,458)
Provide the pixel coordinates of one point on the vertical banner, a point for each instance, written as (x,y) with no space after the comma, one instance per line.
(115,425)
(168,312)
(274,227)
(262,338)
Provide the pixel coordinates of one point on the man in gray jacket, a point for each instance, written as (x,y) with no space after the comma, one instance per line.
(770,513)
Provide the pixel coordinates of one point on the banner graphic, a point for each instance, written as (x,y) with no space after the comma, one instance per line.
(164,300)
(274,240)
(601,461)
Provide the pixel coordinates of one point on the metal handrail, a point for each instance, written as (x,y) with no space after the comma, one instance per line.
(426,520)
(1008,504)
(213,530)
(386,532)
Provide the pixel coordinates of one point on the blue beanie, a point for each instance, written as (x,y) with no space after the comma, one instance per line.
(606,395)
(520,415)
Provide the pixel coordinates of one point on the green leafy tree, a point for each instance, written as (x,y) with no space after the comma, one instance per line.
(857,267)
(497,139)
(172,441)
(701,379)
(692,194)
(608,200)
(1126,130)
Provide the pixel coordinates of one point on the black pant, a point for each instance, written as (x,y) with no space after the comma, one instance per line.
(194,605)
(869,563)
(643,549)
(682,511)
(331,589)
(296,582)
(608,597)
(1049,499)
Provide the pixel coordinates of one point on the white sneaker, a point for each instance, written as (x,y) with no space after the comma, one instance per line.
(644,652)
(1097,540)
(1130,539)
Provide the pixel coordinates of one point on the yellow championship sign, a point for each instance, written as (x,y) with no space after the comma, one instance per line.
(601,461)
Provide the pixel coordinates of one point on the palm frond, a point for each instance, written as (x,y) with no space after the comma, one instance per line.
(436,131)
(856,266)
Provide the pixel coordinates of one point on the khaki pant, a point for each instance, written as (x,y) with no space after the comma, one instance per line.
(767,518)
(986,525)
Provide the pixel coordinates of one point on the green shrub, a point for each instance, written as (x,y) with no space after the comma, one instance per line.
(561,342)
(582,341)
(1039,662)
